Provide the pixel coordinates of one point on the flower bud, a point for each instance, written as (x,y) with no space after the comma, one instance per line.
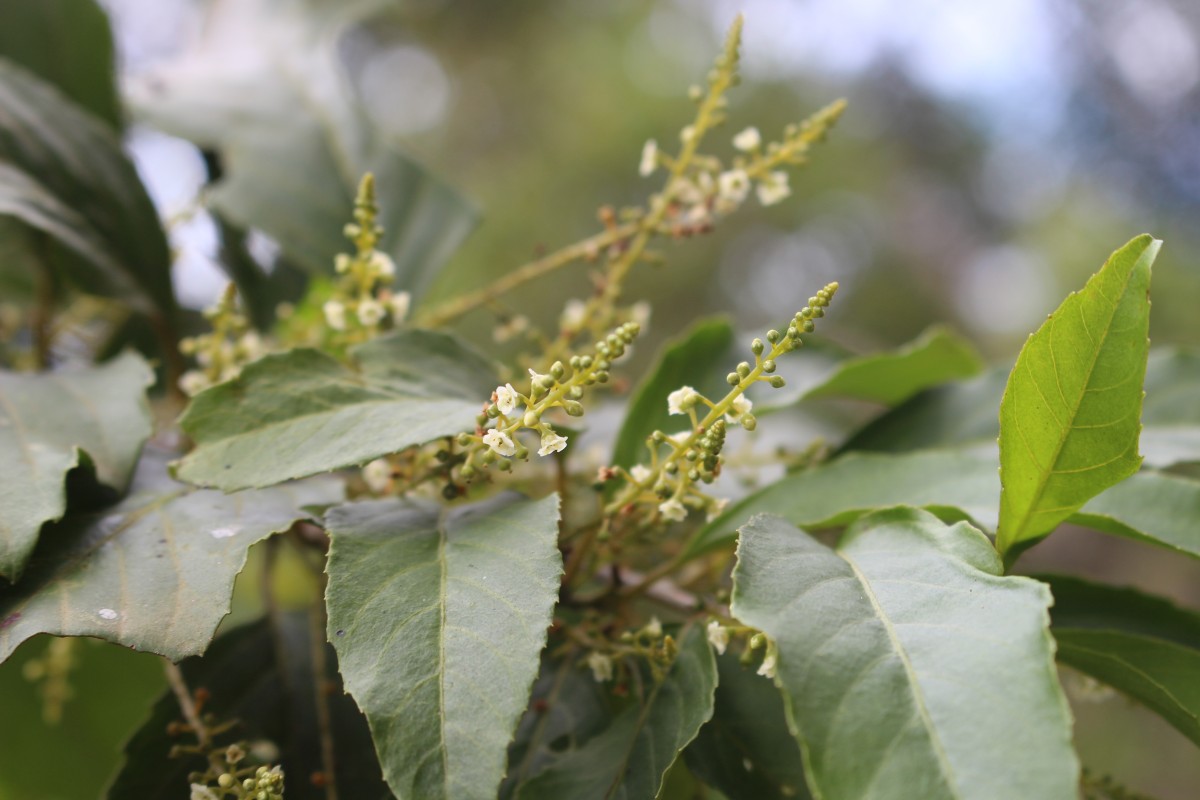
(756,347)
(768,366)
(531,419)
(749,421)
(557,370)
(743,369)
(733,379)
(573,408)
(772,336)
(778,382)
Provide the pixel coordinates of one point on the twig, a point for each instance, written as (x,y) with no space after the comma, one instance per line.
(316,636)
(187,704)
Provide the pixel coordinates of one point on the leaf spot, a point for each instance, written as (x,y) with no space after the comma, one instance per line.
(225,533)
(107,613)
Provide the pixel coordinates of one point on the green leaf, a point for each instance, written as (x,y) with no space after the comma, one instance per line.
(1139,644)
(263,677)
(1071,412)
(695,359)
(953,484)
(746,749)
(67,43)
(1151,507)
(63,172)
(302,412)
(280,99)
(937,356)
(51,423)
(631,756)
(154,572)
(910,665)
(438,619)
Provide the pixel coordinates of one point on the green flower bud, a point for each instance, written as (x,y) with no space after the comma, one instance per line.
(778,382)
(743,369)
(492,412)
(818,312)
(585,362)
(809,326)
(531,419)
(749,422)
(806,312)
(793,333)
(756,347)
(557,370)
(505,466)
(522,451)
(733,379)
(467,472)
(481,420)
(574,362)
(693,474)
(671,468)
(226,781)
(772,336)
(575,392)
(757,641)
(603,364)
(814,301)
(573,408)
(602,377)
(249,784)
(546,382)
(464,439)
(768,366)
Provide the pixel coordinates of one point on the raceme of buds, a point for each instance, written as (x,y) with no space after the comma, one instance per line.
(221,353)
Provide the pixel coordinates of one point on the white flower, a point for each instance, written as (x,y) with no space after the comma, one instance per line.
(500,443)
(741,405)
(733,186)
(673,510)
(341,263)
(573,315)
(680,400)
(506,398)
(715,509)
(681,437)
(193,382)
(335,315)
(653,628)
(640,473)
(747,140)
(378,475)
(251,345)
(382,265)
(507,330)
(649,160)
(400,303)
(639,312)
(718,636)
(370,312)
(601,666)
(773,188)
(767,667)
(687,134)
(200,792)
(688,193)
(551,443)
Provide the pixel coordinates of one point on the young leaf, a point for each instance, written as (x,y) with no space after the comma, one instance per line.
(1071,412)
(262,676)
(52,422)
(911,666)
(438,619)
(63,172)
(631,756)
(302,412)
(154,572)
(1137,643)
(746,749)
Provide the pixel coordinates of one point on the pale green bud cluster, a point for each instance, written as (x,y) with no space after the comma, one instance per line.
(221,354)
(248,783)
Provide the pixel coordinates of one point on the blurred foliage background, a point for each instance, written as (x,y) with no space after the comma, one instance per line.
(992,156)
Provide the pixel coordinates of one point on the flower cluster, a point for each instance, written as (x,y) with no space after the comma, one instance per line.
(223,352)
(361,303)
(225,779)
(649,643)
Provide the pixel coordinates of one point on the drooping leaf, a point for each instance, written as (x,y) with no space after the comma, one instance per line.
(52,422)
(693,360)
(302,412)
(266,86)
(630,757)
(912,667)
(155,572)
(1071,412)
(263,678)
(63,172)
(746,749)
(937,356)
(67,43)
(438,618)
(1139,644)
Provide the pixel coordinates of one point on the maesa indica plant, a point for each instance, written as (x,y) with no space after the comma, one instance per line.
(491,607)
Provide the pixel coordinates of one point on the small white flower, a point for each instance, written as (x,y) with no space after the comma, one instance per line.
(748,140)
(680,400)
(535,375)
(639,312)
(681,437)
(688,193)
(335,315)
(341,263)
(601,666)
(551,443)
(640,473)
(500,443)
(715,509)
(370,312)
(507,330)
(733,186)
(378,475)
(768,665)
(573,315)
(193,382)
(741,405)
(718,636)
(251,345)
(382,265)
(506,398)
(687,134)
(400,303)
(673,510)
(653,628)
(773,188)
(200,792)
(649,160)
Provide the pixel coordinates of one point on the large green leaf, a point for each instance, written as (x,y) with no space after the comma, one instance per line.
(910,665)
(67,43)
(63,172)
(631,756)
(693,360)
(280,109)
(52,422)
(154,572)
(746,749)
(263,677)
(1071,412)
(302,412)
(1137,643)
(438,618)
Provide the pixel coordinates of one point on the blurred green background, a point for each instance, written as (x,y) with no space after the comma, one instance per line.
(992,156)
